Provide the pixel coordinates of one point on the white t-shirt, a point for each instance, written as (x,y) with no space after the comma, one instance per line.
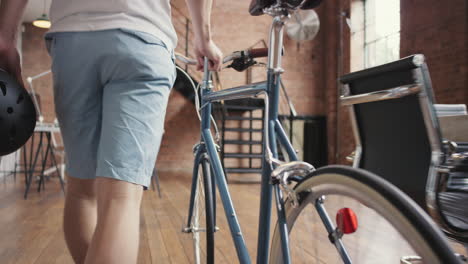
(150,16)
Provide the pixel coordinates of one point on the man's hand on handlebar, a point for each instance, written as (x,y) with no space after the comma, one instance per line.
(241,60)
(212,52)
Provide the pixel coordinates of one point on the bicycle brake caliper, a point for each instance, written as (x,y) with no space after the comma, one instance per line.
(283,174)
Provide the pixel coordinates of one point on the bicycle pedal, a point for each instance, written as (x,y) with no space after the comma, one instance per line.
(193,230)
(187,230)
(411,260)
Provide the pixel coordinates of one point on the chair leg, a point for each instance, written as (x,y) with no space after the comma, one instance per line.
(152,183)
(16,163)
(29,171)
(44,162)
(156,179)
(59,171)
(25,163)
(29,165)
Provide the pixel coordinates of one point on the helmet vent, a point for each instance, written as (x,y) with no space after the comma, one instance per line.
(20,99)
(10,110)
(3,87)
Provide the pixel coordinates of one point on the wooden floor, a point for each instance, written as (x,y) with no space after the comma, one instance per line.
(30,230)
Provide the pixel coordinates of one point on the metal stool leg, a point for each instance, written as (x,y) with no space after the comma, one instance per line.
(44,163)
(155,176)
(16,163)
(29,172)
(28,161)
(54,161)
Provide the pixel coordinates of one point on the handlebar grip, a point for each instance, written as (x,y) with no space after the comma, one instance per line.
(258,53)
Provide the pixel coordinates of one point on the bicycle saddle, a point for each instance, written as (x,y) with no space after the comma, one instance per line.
(257,6)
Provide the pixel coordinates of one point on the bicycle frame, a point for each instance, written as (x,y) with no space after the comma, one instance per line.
(273,132)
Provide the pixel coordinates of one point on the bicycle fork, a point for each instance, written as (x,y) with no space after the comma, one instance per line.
(283,175)
(200,156)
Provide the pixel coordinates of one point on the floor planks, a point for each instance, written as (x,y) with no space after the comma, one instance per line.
(31,232)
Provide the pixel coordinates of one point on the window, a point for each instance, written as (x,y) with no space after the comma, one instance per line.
(381,31)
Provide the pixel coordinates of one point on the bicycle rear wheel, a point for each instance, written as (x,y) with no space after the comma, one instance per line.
(202,222)
(390,225)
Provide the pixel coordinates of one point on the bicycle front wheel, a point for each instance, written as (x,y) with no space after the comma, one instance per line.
(202,222)
(391,227)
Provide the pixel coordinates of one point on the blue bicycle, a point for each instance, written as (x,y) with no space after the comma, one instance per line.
(375,221)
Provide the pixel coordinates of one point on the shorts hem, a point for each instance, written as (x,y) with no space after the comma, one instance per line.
(79,174)
(123,175)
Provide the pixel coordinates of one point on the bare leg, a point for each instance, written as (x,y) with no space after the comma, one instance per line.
(80,216)
(116,237)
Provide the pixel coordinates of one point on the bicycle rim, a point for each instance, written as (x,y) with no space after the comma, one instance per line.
(384,234)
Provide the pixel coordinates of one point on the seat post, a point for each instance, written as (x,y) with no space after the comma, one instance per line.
(276,40)
(280,15)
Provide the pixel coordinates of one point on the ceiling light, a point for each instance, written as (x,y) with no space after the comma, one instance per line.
(42,22)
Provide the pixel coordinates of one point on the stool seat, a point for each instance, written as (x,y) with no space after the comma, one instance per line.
(257,6)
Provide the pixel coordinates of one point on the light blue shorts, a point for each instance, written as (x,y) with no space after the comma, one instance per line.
(111,89)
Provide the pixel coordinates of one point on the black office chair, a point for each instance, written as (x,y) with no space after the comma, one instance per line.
(398,137)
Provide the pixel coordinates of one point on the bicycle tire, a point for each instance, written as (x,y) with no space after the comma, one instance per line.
(203,210)
(366,191)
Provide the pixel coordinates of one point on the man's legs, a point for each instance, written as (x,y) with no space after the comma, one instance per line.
(116,237)
(80,216)
(111,113)
(77,99)
(115,208)
(134,102)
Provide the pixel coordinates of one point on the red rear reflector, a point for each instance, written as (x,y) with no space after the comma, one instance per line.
(346,220)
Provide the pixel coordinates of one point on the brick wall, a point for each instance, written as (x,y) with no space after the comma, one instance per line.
(439,30)
(233,29)
(337,60)
(435,28)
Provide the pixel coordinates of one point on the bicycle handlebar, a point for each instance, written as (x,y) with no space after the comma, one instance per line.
(258,53)
(251,53)
(185,60)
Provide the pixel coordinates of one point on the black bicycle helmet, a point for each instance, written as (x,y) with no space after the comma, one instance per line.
(17,114)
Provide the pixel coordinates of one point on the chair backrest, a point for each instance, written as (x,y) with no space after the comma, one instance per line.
(394,123)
